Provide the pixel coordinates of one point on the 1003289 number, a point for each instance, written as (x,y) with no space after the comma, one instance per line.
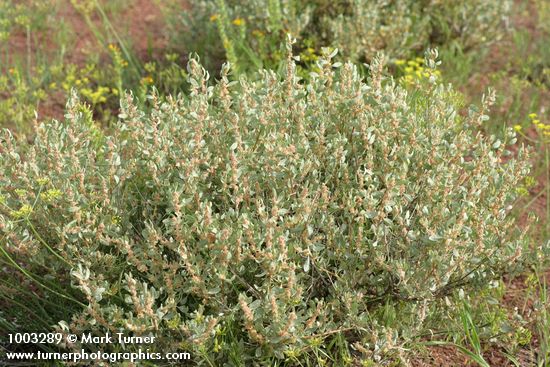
(35,338)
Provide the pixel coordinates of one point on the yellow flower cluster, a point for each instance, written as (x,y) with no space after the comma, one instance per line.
(414,70)
(70,80)
(42,181)
(528,182)
(117,56)
(51,195)
(542,128)
(238,22)
(99,95)
(23,212)
(257,33)
(147,80)
(79,79)
(84,6)
(308,55)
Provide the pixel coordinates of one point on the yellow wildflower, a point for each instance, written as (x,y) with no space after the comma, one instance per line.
(238,22)
(409,79)
(400,62)
(147,80)
(257,33)
(213,17)
(23,212)
(522,191)
(517,127)
(533,116)
(50,195)
(97,96)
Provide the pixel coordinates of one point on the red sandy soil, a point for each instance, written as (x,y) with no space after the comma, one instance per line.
(141,22)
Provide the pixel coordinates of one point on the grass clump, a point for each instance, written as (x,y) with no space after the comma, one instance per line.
(271,220)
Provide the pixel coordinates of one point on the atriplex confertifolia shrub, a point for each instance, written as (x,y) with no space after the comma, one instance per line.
(260,219)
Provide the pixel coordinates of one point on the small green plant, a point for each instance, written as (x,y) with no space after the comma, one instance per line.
(18,106)
(538,294)
(21,89)
(413,72)
(474,351)
(543,324)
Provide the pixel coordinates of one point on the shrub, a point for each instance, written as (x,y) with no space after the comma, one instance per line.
(403,27)
(259,220)
(251,32)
